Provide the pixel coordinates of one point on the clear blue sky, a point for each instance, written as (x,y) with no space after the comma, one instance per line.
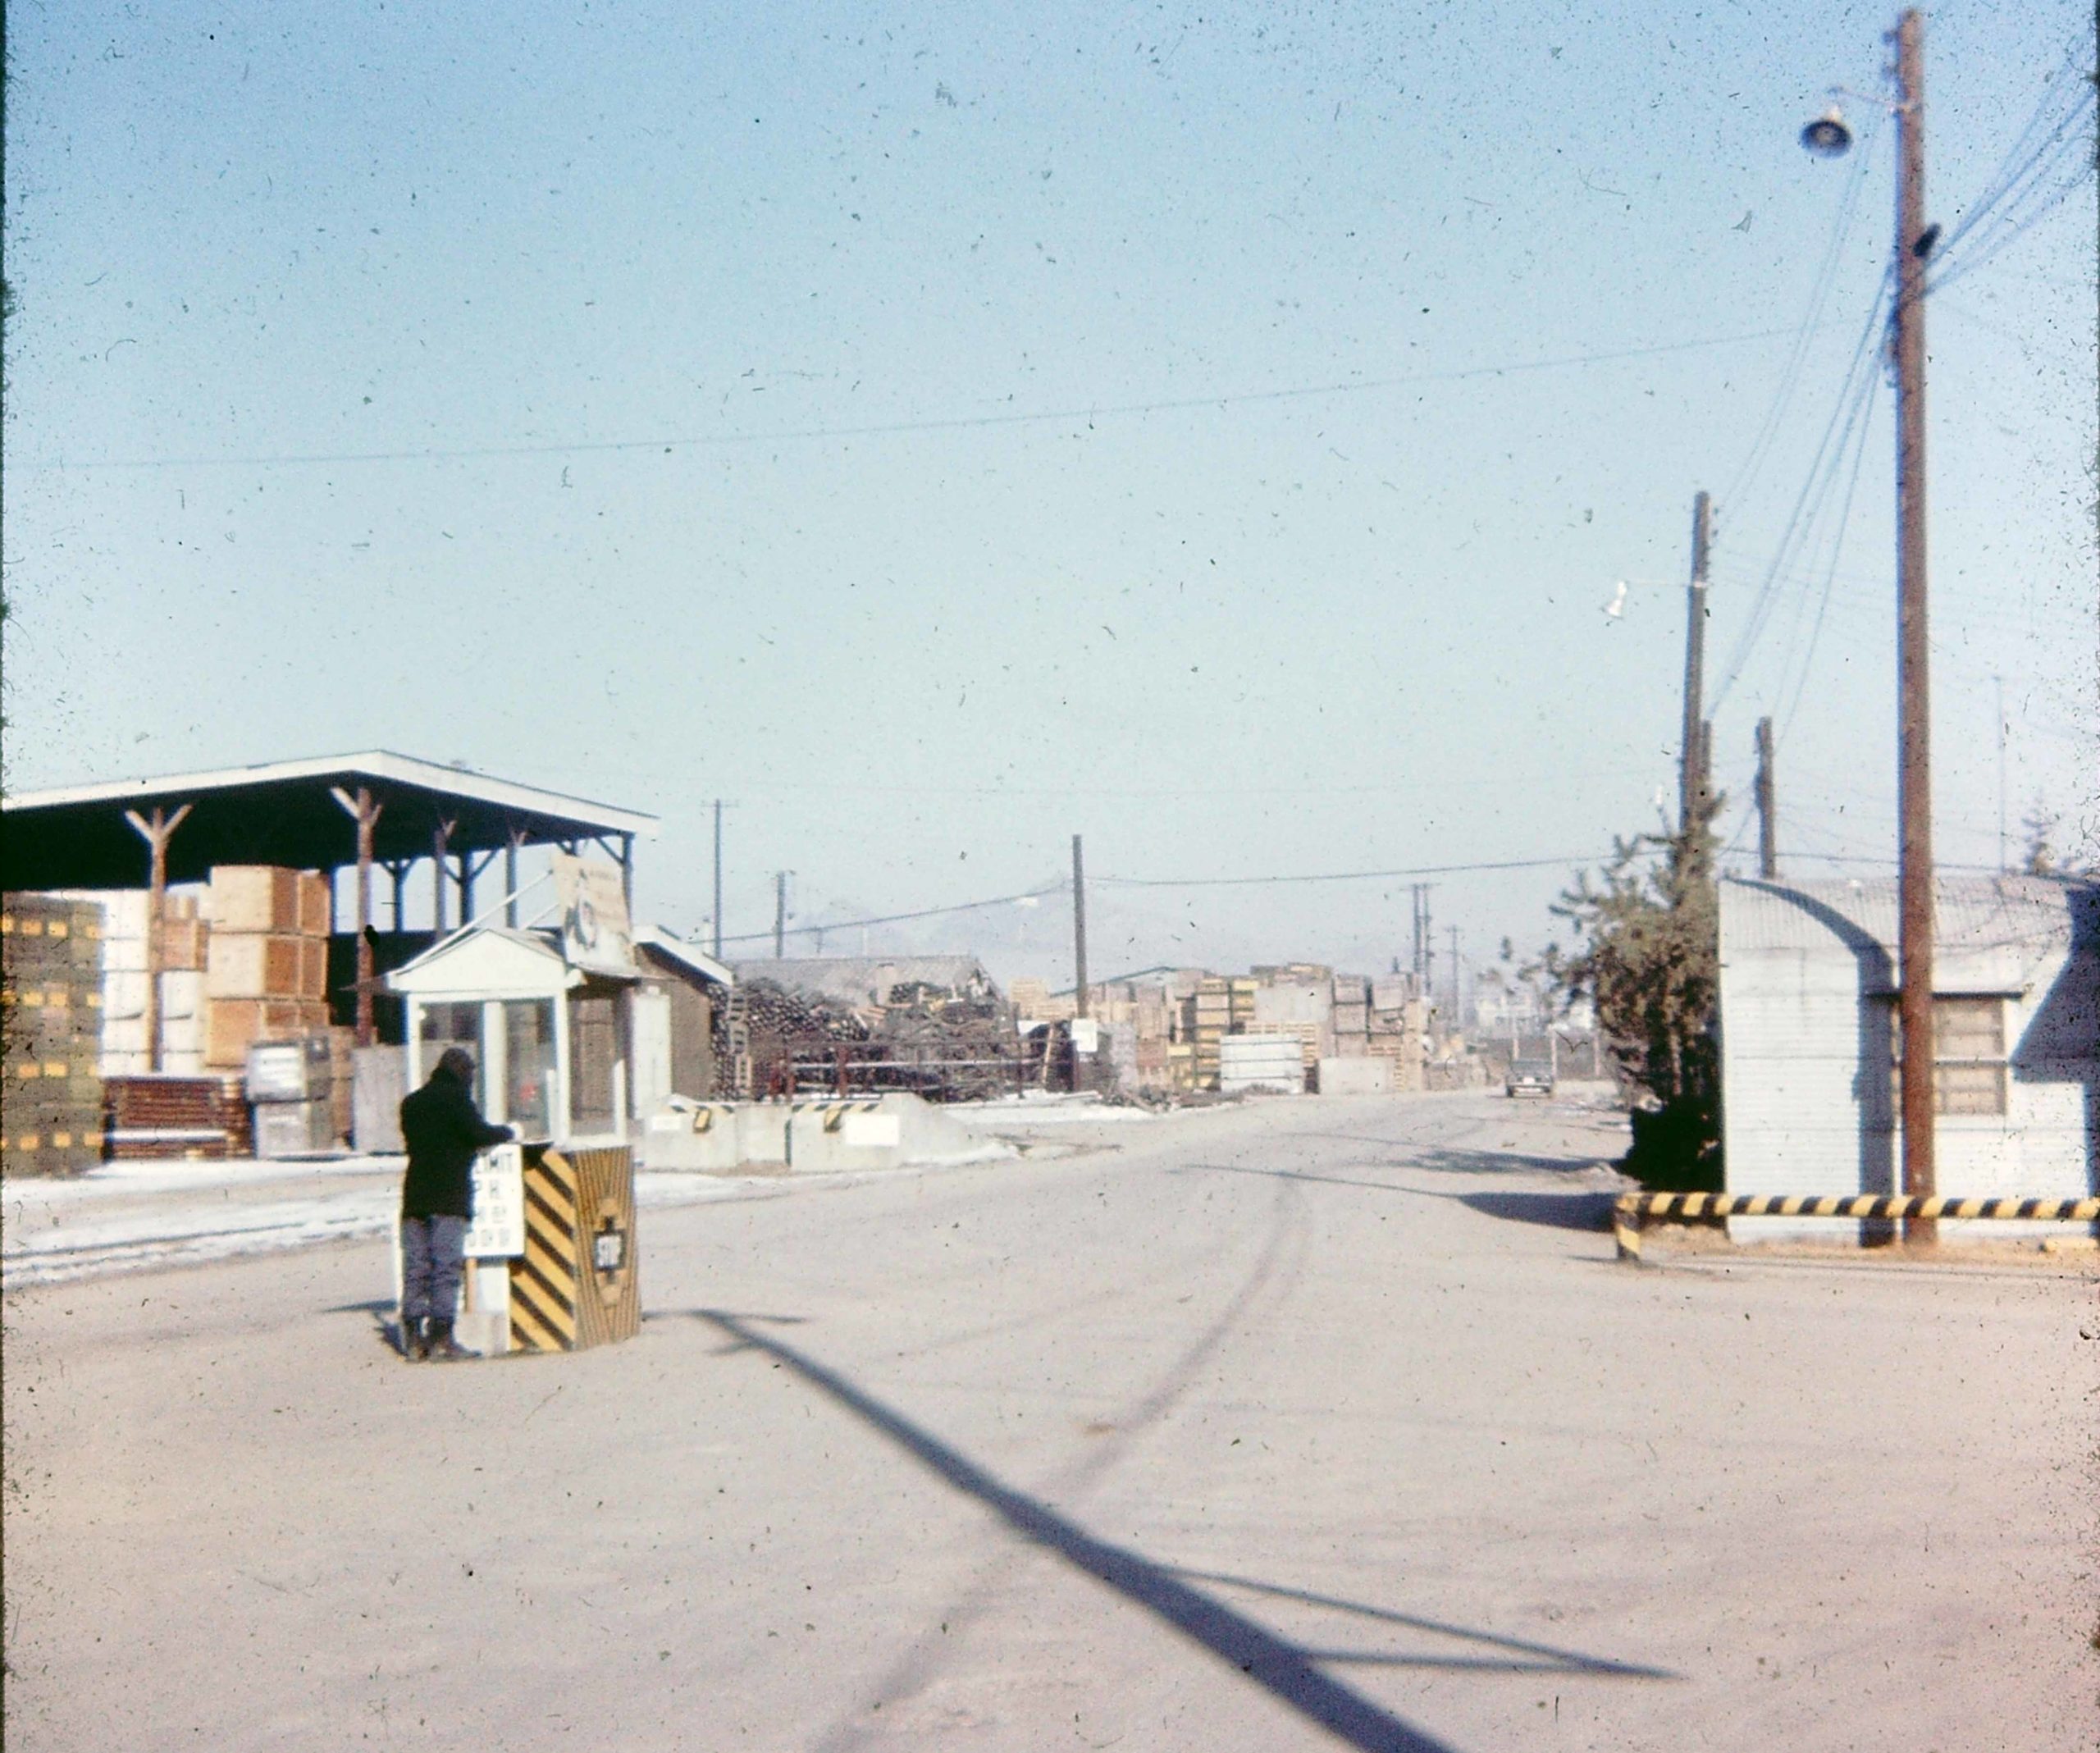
(620,398)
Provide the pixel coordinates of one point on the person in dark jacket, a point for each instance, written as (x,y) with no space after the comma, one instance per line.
(443,1131)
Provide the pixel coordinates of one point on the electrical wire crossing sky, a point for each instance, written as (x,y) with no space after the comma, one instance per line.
(1219,436)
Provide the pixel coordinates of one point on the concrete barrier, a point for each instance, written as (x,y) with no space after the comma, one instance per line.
(715,1138)
(1371,1075)
(812,1137)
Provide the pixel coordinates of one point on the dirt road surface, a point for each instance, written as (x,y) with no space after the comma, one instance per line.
(1309,1423)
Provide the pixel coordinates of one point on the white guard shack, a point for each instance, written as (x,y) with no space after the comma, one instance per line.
(553,1016)
(1809,1051)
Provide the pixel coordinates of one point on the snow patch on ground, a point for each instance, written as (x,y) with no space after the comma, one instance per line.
(131,1216)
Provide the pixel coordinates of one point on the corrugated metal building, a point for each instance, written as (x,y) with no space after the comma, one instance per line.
(1809,1047)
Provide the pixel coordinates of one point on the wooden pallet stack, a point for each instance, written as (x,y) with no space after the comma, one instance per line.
(51,999)
(266,965)
(167,1114)
(1351,1016)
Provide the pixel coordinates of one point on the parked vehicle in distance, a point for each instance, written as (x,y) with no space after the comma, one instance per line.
(1529,1077)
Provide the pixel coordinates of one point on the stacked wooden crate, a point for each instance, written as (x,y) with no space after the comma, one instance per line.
(342,1075)
(266,969)
(125,983)
(1306,1034)
(1034,1003)
(1351,1017)
(51,1018)
(1213,1008)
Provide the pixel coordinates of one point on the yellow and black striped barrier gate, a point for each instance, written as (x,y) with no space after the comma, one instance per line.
(1632,1210)
(577,1283)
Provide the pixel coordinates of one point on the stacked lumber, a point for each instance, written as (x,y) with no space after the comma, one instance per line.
(1036,1003)
(51,1021)
(266,966)
(168,1114)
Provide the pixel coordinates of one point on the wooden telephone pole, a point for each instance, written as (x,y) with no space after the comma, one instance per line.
(1692,764)
(1914,783)
(718,879)
(1767,841)
(1079,923)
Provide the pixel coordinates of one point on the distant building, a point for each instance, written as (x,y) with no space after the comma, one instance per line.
(1809,1043)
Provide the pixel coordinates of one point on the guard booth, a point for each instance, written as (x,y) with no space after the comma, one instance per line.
(547,1014)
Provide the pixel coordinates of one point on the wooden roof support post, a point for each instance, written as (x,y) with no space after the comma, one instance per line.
(365,812)
(441,836)
(510,878)
(626,875)
(155,830)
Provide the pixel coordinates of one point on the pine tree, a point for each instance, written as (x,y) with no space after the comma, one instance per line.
(1649,959)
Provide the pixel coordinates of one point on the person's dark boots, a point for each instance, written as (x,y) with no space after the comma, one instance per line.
(439,1343)
(414,1347)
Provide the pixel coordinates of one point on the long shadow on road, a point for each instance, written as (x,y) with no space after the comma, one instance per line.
(1288,1672)
(1574,1209)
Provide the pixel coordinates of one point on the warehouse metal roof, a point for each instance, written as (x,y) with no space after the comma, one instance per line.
(284,813)
(1991,932)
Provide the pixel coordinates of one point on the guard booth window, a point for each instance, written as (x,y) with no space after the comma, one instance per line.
(452,1026)
(529,1065)
(593,1046)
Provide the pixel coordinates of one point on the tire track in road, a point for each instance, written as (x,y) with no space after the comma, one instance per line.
(1267,1282)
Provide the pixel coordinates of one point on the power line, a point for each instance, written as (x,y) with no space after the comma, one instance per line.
(1800,522)
(1837,548)
(1348,876)
(2021,158)
(898,919)
(1811,320)
(959,422)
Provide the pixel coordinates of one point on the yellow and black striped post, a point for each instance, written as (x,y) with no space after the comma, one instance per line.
(1632,1210)
(577,1283)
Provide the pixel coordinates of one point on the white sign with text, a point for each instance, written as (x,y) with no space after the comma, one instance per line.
(498,1230)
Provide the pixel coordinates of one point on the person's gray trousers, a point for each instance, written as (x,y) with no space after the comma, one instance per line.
(432,1261)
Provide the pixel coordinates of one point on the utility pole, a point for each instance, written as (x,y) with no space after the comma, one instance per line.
(1692,774)
(1914,783)
(779,915)
(1079,922)
(1458,991)
(718,879)
(1767,841)
(1997,683)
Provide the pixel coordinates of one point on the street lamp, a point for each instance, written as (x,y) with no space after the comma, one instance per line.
(1828,137)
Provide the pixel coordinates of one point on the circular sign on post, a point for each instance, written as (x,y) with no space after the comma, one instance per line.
(611,1252)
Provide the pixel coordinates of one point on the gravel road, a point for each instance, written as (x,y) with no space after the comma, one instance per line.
(1305,1423)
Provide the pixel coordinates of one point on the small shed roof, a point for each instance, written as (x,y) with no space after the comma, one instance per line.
(688,957)
(1991,933)
(284,813)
